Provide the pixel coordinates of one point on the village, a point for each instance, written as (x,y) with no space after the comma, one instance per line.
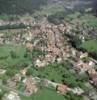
(51,46)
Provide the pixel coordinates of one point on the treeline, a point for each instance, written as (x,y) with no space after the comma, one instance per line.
(14,26)
(88,46)
(20,6)
(57,17)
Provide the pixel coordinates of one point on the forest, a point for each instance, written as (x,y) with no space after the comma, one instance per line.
(20,6)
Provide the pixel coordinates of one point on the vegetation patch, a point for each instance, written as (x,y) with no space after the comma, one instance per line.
(91,47)
(12,59)
(44,94)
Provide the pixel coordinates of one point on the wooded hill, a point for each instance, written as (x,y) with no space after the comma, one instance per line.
(20,6)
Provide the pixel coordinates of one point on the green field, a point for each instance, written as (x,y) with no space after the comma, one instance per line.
(90,46)
(52,72)
(44,94)
(60,73)
(12,59)
(11,55)
(47,94)
(50,9)
(86,20)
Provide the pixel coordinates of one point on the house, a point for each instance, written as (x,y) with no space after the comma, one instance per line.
(1,35)
(28,37)
(17,78)
(92,71)
(62,28)
(91,63)
(23,72)
(29,46)
(30,86)
(59,59)
(93,77)
(54,50)
(49,58)
(83,55)
(2,71)
(45,82)
(11,96)
(77,90)
(39,63)
(61,88)
(73,51)
(11,83)
(84,66)
(82,38)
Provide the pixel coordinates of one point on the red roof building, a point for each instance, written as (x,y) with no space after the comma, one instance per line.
(61,88)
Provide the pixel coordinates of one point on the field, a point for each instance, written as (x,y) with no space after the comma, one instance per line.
(44,94)
(50,10)
(86,20)
(90,46)
(12,60)
(60,73)
(11,55)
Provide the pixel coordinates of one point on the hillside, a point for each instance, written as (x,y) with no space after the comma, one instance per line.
(20,6)
(30,6)
(48,50)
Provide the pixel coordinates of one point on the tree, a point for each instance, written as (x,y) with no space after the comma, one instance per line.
(2,94)
(13,54)
(11,72)
(29,72)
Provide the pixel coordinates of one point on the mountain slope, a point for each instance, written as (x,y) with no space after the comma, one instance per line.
(20,6)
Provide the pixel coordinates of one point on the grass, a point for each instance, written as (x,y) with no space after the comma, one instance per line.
(60,73)
(6,58)
(12,60)
(90,46)
(50,9)
(48,72)
(88,20)
(44,94)
(52,72)
(4,17)
(47,94)
(73,16)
